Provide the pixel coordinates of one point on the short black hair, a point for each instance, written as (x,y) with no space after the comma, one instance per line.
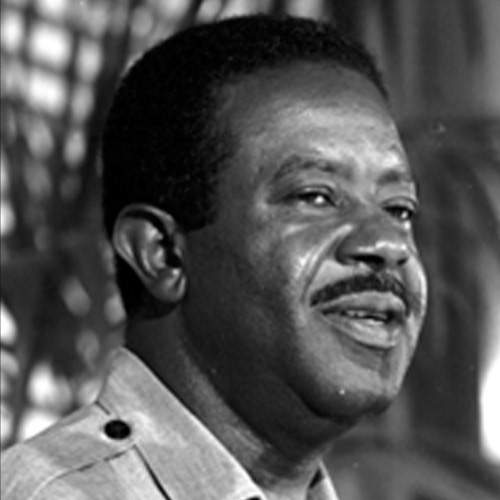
(163,143)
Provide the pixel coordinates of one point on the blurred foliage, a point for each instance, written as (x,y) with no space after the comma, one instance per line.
(457,164)
(60,63)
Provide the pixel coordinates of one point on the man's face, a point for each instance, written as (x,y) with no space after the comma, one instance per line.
(307,293)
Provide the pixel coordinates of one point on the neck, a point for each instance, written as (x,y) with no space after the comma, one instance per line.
(283,468)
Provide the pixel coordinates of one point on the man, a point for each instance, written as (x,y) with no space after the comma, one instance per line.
(259,202)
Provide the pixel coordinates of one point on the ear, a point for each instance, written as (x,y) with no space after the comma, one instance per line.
(151,242)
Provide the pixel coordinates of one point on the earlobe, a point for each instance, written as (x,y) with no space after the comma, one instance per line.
(150,241)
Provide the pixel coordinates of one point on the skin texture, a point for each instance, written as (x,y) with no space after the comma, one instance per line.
(298,310)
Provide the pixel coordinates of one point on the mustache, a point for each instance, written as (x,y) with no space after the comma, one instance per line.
(379,282)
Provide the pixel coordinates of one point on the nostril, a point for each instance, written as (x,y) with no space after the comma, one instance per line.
(394,252)
(376,252)
(373,261)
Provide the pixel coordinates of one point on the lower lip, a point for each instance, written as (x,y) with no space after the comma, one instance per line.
(368,333)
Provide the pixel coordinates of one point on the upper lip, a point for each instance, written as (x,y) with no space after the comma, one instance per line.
(385,307)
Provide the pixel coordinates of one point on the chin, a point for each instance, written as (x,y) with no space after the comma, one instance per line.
(348,405)
(360,403)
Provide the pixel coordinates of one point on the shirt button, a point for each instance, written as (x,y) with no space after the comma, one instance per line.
(117,429)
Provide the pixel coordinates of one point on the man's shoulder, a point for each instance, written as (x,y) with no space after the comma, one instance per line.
(75,451)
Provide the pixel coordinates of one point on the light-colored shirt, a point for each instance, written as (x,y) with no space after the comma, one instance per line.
(137,441)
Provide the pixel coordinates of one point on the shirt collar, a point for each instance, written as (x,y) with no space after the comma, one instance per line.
(184,456)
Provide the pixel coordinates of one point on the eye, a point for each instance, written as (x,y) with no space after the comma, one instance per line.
(314,197)
(403,212)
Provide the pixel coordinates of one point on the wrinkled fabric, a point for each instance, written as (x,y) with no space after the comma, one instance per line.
(137,441)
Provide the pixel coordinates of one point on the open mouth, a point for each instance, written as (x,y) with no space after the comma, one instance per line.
(373,319)
(374,316)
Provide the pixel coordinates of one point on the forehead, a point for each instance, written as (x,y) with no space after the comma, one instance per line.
(313,110)
(298,86)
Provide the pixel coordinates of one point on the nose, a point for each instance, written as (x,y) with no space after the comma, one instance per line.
(376,244)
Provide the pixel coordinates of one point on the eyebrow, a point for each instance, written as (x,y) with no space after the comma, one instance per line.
(396,176)
(296,163)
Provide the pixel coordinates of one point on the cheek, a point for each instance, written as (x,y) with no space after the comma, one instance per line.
(419,290)
(279,265)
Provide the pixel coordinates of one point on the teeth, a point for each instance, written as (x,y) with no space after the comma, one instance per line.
(359,314)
